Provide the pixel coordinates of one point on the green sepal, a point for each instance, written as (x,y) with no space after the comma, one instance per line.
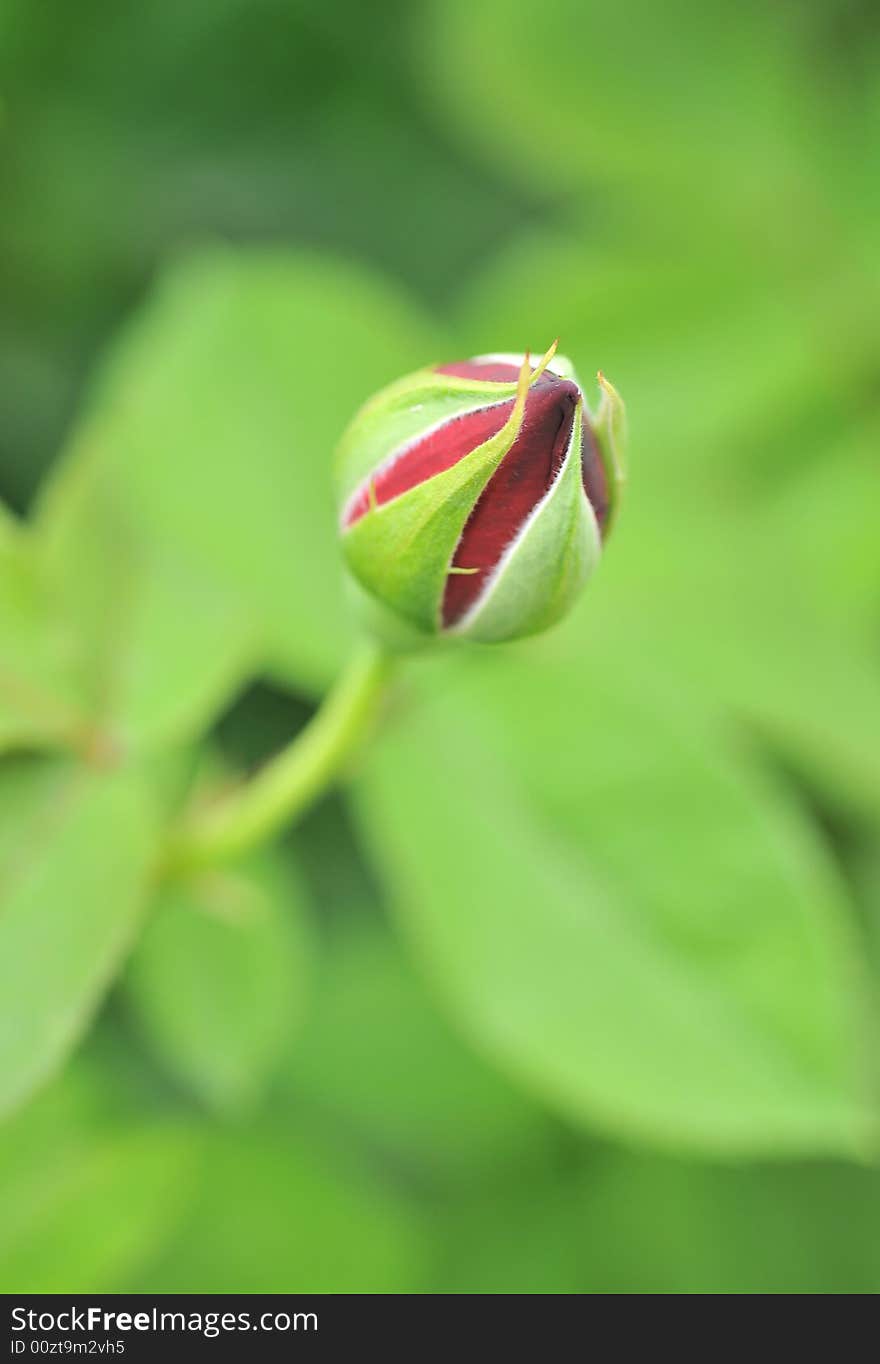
(401,552)
(609,428)
(378,622)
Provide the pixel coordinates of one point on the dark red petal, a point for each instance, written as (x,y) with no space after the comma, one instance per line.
(594,477)
(431,455)
(517,486)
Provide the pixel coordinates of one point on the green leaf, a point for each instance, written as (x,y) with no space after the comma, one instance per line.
(822,523)
(621,909)
(209,439)
(272,1212)
(524,1241)
(815,576)
(864,867)
(378,1056)
(759,643)
(628,83)
(641,1224)
(38,702)
(75,849)
(160,645)
(86,1199)
(218,979)
(83,1218)
(806,1228)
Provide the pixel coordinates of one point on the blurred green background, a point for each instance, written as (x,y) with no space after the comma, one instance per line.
(572,987)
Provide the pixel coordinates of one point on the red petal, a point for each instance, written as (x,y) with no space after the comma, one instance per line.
(431,455)
(517,486)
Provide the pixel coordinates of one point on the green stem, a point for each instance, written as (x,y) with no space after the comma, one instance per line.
(289,782)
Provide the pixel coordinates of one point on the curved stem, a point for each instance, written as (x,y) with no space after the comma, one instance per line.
(289,782)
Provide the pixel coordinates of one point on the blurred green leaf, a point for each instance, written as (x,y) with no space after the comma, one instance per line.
(604,103)
(217,981)
(865,870)
(766,643)
(273,1215)
(633,110)
(38,701)
(821,528)
(641,1224)
(83,1220)
(379,1056)
(75,848)
(763,644)
(160,646)
(86,1198)
(209,442)
(621,909)
(699,1229)
(522,1239)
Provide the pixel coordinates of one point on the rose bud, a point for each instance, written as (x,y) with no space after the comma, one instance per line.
(476,496)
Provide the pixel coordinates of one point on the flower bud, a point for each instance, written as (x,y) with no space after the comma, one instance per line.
(476,496)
